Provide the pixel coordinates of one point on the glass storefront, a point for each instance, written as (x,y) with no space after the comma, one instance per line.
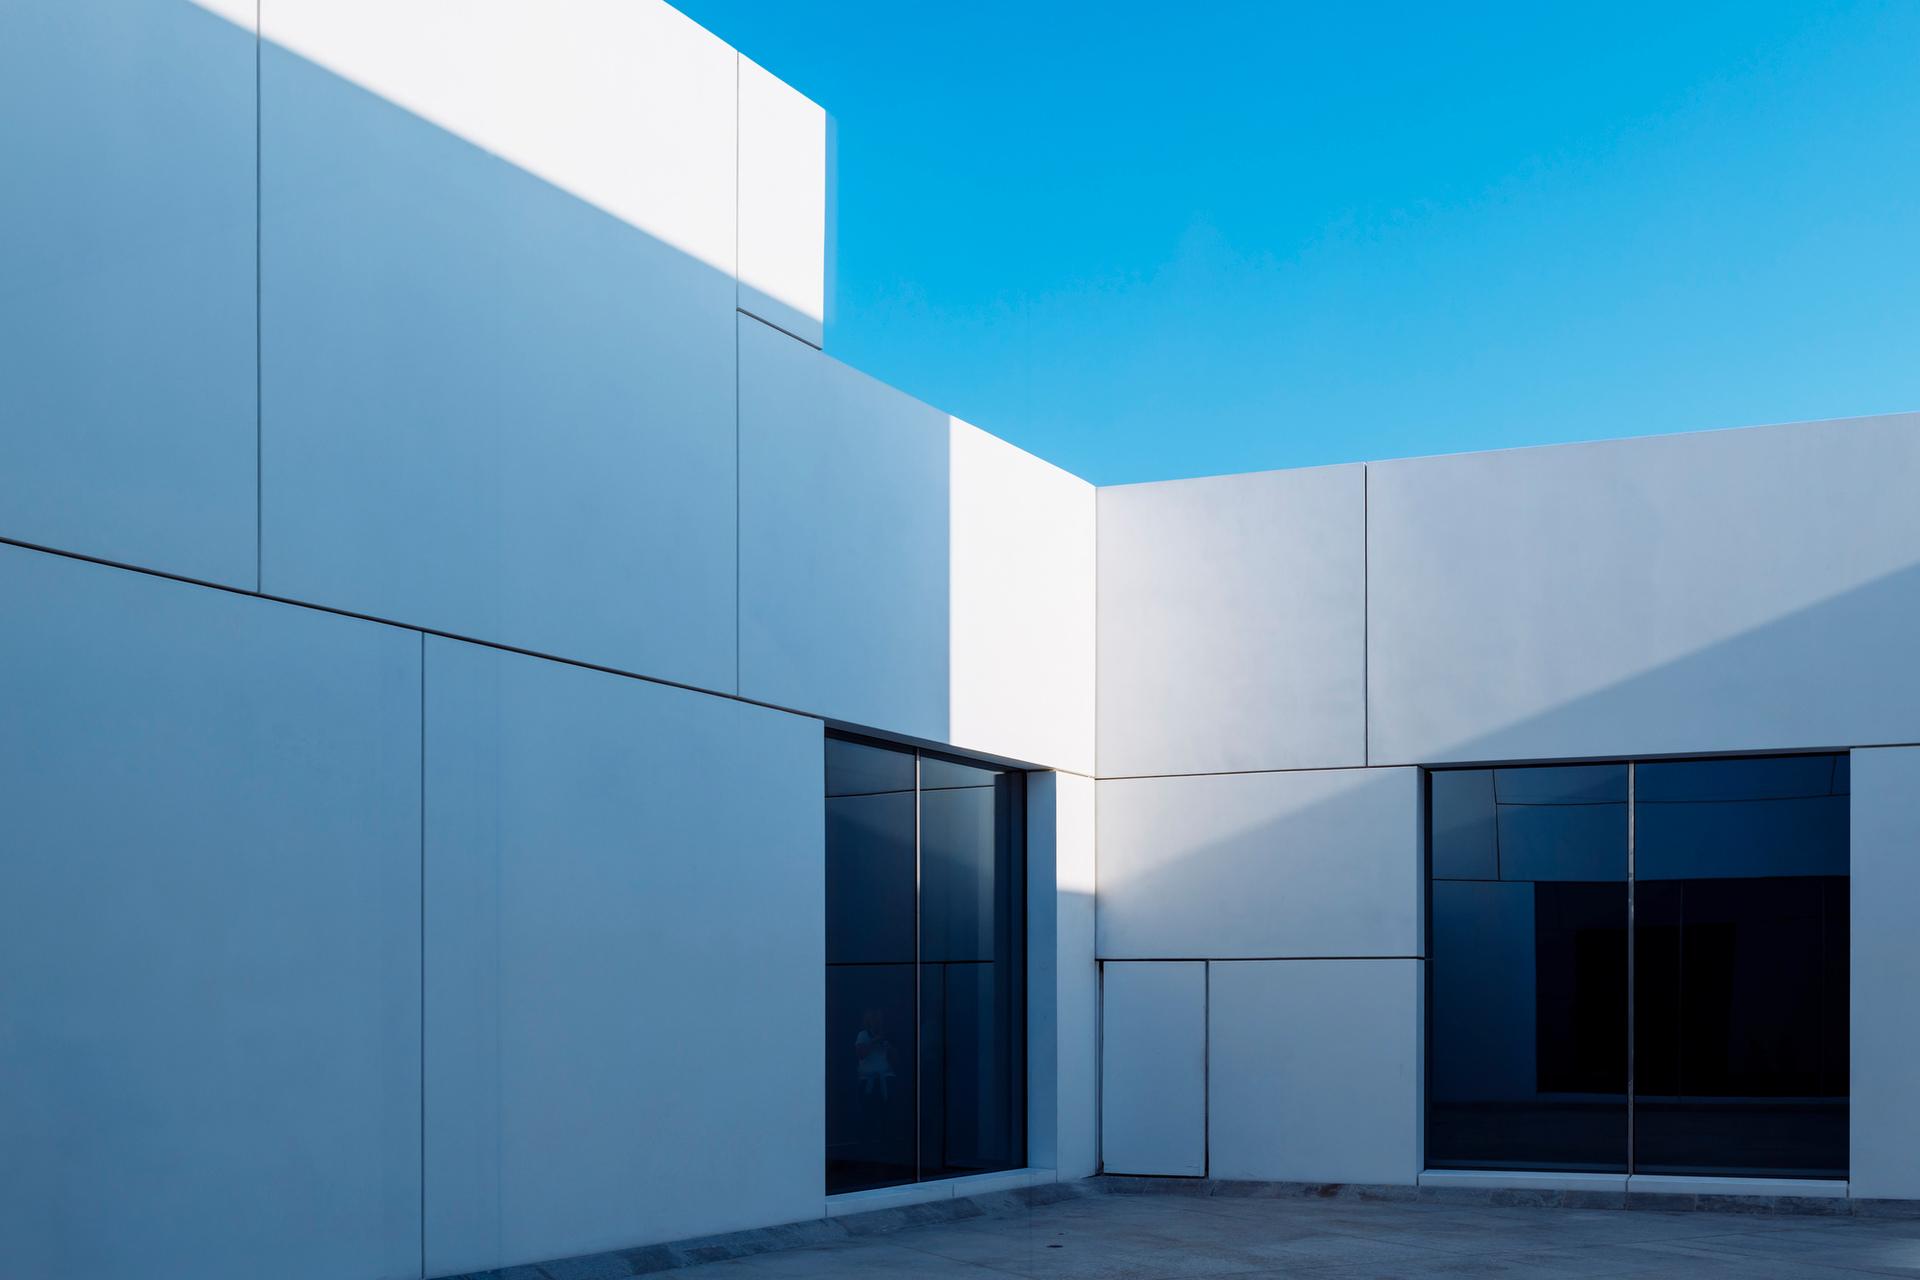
(1640,967)
(926,966)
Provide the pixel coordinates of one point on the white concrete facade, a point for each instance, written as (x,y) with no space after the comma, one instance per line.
(419,639)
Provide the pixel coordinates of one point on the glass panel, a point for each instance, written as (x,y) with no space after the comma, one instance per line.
(870,1083)
(870,966)
(1462,822)
(1740,989)
(926,1018)
(861,768)
(1528,970)
(937,774)
(972,1052)
(1562,784)
(870,877)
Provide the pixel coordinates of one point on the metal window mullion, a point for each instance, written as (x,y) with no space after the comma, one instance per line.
(1632,977)
(919,1016)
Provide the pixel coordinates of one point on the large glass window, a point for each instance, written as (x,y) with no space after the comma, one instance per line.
(926,966)
(1640,967)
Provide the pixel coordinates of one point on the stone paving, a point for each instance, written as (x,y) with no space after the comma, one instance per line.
(1183,1237)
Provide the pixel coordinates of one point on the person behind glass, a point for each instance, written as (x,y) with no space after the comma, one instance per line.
(873,1057)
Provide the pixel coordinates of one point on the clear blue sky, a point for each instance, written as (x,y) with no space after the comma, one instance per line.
(1149,241)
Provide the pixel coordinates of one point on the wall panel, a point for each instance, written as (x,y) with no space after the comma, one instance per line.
(1022,607)
(844,541)
(497,344)
(209,933)
(1232,625)
(1725,591)
(1314,1070)
(1885,972)
(624,949)
(127,408)
(783,204)
(1064,977)
(1153,1067)
(1261,865)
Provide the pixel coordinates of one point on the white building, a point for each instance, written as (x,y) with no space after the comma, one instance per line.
(440,568)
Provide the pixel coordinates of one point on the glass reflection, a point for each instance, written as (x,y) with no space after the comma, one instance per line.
(1740,987)
(1527,964)
(926,967)
(1739,898)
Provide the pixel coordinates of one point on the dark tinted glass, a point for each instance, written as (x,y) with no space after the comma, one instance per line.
(1738,961)
(862,768)
(871,1137)
(1528,1015)
(972,1048)
(1462,834)
(1741,967)
(926,978)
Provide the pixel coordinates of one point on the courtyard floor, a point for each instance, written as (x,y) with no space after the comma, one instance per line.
(1147,1237)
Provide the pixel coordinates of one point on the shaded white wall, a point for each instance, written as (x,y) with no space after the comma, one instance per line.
(1885,974)
(1232,623)
(625,915)
(1725,591)
(1153,1067)
(1063,978)
(497,308)
(127,250)
(209,932)
(1262,865)
(843,541)
(1314,1070)
(627,105)
(904,571)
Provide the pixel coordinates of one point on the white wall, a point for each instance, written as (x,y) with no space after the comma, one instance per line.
(903,571)
(127,249)
(1262,865)
(1232,623)
(1022,604)
(209,933)
(783,205)
(1063,979)
(1313,1070)
(1885,973)
(843,541)
(1726,591)
(1153,1067)
(497,309)
(624,962)
(627,105)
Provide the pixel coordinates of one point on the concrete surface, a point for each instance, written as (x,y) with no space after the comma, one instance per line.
(1282,1231)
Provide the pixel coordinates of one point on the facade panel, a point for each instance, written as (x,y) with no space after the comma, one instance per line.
(1726,591)
(1885,963)
(1153,1067)
(1261,865)
(844,541)
(127,406)
(497,353)
(1313,1070)
(1022,591)
(1232,623)
(783,205)
(1064,995)
(624,925)
(210,931)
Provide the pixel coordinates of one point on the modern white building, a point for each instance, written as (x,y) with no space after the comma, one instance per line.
(508,751)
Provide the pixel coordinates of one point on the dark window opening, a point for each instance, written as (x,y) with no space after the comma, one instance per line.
(926,966)
(1681,925)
